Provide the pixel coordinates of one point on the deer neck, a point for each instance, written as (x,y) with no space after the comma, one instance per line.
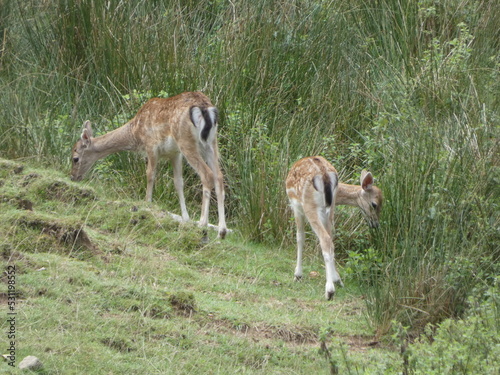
(347,195)
(120,139)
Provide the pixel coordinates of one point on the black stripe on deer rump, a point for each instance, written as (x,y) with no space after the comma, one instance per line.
(204,119)
(326,184)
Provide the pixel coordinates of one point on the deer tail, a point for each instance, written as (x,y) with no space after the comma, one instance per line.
(204,119)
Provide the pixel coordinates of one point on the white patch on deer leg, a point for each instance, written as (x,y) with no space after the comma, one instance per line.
(322,231)
(219,187)
(300,250)
(299,222)
(179,185)
(219,191)
(301,239)
(331,275)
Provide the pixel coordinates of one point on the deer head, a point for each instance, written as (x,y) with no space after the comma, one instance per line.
(84,155)
(370,199)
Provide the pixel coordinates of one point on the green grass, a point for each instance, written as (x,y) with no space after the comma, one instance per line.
(147,296)
(407,89)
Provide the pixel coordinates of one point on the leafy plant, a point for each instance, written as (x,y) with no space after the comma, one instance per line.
(364,266)
(465,346)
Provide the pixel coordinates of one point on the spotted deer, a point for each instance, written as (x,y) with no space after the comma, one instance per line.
(182,125)
(313,189)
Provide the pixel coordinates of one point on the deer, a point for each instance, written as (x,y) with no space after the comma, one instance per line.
(313,189)
(184,125)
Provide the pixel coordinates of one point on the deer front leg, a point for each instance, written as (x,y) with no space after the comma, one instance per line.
(150,175)
(179,185)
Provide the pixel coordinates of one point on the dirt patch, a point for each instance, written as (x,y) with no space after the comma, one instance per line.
(11,166)
(290,335)
(72,237)
(9,255)
(63,192)
(118,344)
(361,342)
(261,332)
(18,202)
(24,204)
(183,303)
(29,178)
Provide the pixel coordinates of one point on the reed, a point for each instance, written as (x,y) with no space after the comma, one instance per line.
(407,89)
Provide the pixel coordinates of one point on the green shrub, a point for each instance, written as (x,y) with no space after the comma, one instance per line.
(363,266)
(465,346)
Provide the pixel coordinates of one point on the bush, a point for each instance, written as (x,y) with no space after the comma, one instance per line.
(466,346)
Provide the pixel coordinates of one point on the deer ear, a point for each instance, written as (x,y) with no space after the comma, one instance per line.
(86,133)
(366,180)
(87,126)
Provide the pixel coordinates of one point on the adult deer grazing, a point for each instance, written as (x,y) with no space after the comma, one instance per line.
(183,125)
(313,189)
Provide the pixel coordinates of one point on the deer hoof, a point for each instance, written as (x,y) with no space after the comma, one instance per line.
(222,233)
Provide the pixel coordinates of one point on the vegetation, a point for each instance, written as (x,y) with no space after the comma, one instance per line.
(463,346)
(407,89)
(114,286)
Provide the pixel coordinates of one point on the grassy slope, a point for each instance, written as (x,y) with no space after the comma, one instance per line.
(139,293)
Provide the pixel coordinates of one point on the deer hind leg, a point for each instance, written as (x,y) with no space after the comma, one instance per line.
(329,223)
(213,163)
(179,184)
(301,237)
(317,219)
(207,180)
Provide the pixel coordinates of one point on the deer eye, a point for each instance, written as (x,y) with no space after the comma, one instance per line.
(75,160)
(374,205)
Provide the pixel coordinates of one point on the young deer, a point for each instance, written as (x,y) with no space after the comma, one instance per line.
(183,125)
(313,189)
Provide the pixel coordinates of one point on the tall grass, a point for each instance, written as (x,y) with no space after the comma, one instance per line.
(408,89)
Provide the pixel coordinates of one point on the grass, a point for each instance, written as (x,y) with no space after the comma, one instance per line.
(145,295)
(408,90)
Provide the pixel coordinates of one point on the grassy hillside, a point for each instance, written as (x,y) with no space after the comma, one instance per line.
(111,286)
(407,89)
(118,287)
